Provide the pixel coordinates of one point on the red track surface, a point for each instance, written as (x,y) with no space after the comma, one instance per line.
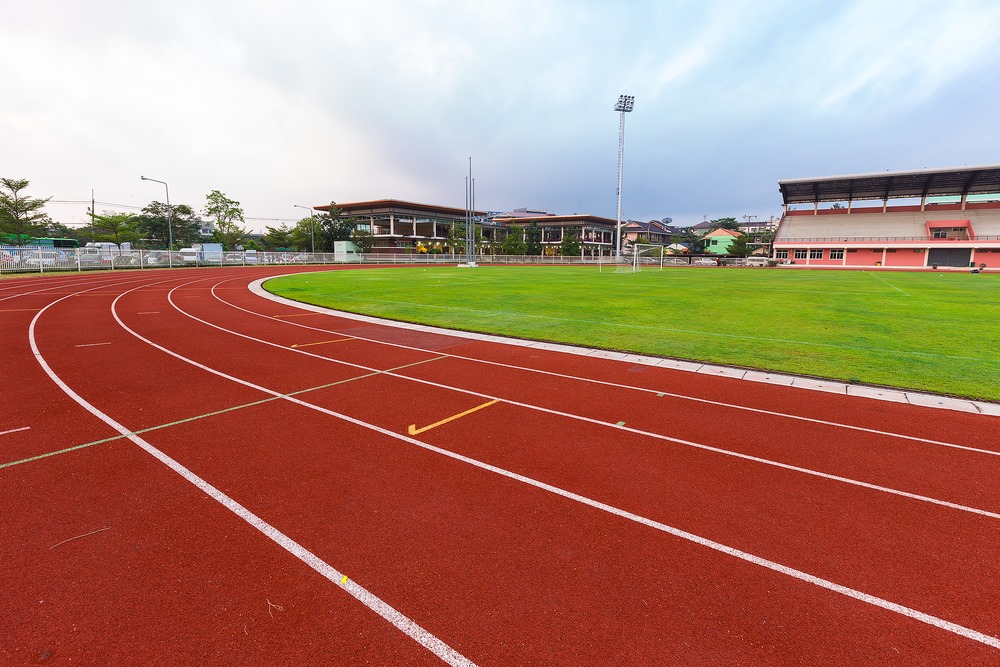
(241,525)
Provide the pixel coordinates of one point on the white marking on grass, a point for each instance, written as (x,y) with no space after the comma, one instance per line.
(882,603)
(888,283)
(370,600)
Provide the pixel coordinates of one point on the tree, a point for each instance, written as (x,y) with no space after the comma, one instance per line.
(456,237)
(725,223)
(60,231)
(277,238)
(333,227)
(115,227)
(363,240)
(20,216)
(533,239)
(304,234)
(151,225)
(514,243)
(738,246)
(570,246)
(228,214)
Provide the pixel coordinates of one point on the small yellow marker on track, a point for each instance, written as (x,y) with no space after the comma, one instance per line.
(344,580)
(322,342)
(413,430)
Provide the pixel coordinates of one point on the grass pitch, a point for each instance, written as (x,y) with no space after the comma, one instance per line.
(937,332)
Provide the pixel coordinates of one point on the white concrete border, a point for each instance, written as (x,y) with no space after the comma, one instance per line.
(814,384)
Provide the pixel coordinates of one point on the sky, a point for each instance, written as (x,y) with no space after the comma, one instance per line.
(311,101)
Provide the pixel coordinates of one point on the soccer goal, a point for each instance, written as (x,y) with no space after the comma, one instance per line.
(643,257)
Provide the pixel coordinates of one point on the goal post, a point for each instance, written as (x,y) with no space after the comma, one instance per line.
(647,257)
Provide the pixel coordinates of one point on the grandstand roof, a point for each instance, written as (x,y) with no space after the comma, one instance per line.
(892,185)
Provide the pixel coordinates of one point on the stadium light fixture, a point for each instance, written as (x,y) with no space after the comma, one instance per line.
(170,229)
(312,226)
(625,104)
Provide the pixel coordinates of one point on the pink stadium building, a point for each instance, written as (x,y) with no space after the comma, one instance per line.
(939,218)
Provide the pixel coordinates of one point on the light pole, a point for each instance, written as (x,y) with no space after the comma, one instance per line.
(312,226)
(625,104)
(170,227)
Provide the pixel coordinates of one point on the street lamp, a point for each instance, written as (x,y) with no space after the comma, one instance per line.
(312,226)
(170,229)
(625,104)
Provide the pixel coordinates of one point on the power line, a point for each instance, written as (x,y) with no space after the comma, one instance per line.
(139,208)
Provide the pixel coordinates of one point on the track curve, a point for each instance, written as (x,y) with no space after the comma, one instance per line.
(195,473)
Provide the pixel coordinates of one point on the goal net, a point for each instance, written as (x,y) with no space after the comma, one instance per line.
(647,257)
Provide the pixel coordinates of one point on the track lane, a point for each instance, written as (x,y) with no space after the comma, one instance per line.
(850,455)
(400,622)
(738,646)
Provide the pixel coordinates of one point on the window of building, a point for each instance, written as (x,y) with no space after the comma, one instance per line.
(939,233)
(836,254)
(781,254)
(800,254)
(815,254)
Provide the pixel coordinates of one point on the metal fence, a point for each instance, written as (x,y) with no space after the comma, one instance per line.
(30,259)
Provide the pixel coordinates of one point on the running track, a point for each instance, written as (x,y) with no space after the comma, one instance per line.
(192,474)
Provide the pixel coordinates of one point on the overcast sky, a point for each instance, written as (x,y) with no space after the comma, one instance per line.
(304,102)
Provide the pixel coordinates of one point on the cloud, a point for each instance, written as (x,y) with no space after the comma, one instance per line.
(309,100)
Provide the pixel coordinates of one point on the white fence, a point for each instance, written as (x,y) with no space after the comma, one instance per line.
(28,259)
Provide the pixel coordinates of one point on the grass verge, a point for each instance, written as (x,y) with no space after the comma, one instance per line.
(937,332)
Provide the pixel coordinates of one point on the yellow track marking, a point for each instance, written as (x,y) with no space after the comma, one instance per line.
(413,430)
(322,342)
(20,310)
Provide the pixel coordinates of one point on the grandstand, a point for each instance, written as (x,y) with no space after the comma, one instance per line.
(913,231)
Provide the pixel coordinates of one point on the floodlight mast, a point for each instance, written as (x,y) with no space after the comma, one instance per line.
(625,104)
(170,229)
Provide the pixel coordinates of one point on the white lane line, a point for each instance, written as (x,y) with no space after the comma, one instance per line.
(620,426)
(876,601)
(92,344)
(256,289)
(15,430)
(370,600)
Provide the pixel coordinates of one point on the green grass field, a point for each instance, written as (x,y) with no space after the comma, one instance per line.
(937,332)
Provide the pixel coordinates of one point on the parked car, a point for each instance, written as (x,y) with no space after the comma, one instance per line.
(44,258)
(89,255)
(8,258)
(163,258)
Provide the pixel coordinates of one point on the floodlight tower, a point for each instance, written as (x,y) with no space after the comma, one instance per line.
(625,104)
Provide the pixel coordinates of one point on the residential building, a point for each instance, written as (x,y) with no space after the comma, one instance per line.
(717,241)
(654,232)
